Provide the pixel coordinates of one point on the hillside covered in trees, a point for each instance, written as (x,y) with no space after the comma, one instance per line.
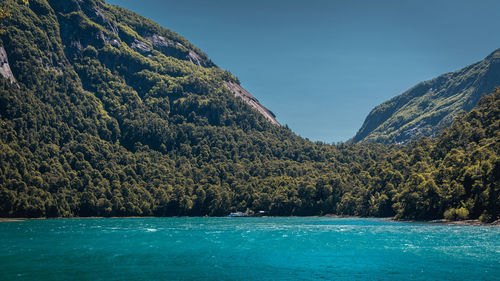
(105,113)
(431,105)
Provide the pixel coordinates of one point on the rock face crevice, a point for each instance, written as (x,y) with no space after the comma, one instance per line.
(240,92)
(5,70)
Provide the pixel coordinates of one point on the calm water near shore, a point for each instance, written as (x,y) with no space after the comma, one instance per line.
(310,248)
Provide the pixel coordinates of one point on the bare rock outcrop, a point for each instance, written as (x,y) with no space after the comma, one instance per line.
(177,50)
(141,47)
(240,92)
(5,70)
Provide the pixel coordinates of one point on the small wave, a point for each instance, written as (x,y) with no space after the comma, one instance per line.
(152,229)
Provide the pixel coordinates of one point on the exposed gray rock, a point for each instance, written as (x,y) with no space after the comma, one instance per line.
(114,42)
(167,47)
(159,42)
(195,58)
(240,92)
(100,36)
(97,14)
(177,50)
(141,47)
(5,70)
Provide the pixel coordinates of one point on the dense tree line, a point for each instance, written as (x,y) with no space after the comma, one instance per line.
(96,127)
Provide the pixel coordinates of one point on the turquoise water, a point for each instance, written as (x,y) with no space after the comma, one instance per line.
(246,249)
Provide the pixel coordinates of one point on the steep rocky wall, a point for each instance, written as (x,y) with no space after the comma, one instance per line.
(240,92)
(5,70)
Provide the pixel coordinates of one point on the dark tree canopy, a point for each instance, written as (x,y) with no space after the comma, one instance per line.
(113,115)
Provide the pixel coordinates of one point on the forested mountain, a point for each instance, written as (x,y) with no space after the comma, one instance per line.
(105,113)
(431,105)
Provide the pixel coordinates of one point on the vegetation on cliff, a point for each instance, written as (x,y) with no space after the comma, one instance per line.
(110,114)
(431,105)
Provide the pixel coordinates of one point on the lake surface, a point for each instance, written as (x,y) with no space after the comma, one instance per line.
(246,249)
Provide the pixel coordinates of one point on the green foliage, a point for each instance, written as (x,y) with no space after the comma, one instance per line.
(431,105)
(4,13)
(456,214)
(97,126)
(485,217)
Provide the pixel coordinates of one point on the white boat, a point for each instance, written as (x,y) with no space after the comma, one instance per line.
(238,214)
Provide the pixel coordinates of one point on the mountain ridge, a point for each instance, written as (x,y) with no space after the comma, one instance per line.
(97,127)
(430,105)
(152,39)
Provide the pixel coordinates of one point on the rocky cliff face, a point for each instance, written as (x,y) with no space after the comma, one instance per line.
(431,105)
(238,91)
(114,27)
(118,28)
(5,70)
(144,82)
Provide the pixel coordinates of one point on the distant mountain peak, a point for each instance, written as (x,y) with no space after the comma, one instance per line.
(494,55)
(430,105)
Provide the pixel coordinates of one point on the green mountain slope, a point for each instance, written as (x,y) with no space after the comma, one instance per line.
(456,174)
(431,105)
(96,120)
(105,113)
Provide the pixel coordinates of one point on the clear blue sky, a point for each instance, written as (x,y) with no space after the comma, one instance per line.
(322,65)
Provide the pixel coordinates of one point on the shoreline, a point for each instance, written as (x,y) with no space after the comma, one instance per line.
(72,218)
(12,219)
(448,222)
(439,221)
